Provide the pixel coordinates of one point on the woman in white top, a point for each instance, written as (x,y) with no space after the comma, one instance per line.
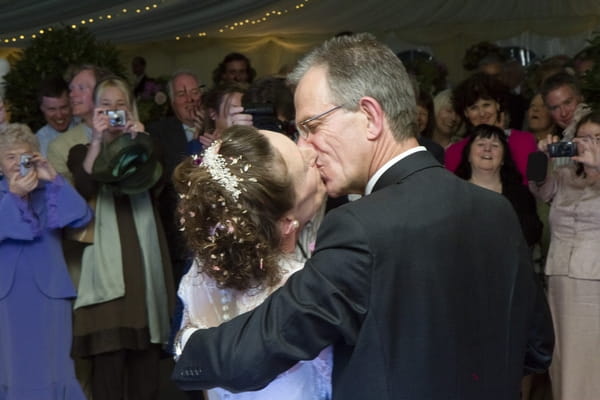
(243,205)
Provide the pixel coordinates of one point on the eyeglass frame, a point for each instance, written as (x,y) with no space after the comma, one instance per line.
(301,126)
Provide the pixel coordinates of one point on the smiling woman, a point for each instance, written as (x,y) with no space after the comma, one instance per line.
(481,99)
(36,291)
(487,162)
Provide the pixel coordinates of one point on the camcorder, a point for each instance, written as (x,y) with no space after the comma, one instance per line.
(25,164)
(116,118)
(562,149)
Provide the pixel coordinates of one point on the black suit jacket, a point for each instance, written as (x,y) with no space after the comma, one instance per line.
(424,287)
(171,143)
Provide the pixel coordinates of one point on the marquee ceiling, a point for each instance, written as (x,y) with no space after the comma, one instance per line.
(138,21)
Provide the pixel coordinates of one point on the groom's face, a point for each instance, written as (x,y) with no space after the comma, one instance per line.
(339,137)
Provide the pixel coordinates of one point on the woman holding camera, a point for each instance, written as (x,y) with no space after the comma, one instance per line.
(126,290)
(573,264)
(36,291)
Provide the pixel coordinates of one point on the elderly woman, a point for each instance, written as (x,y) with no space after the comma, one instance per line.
(243,207)
(447,121)
(573,264)
(36,291)
(126,294)
(481,100)
(486,161)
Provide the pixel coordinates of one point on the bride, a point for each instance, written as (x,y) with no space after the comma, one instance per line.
(243,205)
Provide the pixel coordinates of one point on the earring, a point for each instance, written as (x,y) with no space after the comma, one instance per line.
(295,224)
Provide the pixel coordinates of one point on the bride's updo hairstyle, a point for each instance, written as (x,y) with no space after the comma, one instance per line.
(231,199)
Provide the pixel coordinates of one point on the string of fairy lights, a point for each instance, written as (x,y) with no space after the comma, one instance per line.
(106,18)
(83,22)
(246,22)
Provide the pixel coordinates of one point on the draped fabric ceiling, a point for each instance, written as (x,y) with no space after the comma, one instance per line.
(197,34)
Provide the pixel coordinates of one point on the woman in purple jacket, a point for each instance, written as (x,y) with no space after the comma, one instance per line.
(35,288)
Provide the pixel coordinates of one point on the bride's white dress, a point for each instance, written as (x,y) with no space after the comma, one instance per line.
(205,306)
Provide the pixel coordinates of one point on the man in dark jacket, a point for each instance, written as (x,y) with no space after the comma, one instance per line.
(424,286)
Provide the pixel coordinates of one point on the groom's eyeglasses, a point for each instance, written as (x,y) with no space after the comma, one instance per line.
(304,129)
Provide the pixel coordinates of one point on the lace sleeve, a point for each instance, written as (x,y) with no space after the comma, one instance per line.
(204,305)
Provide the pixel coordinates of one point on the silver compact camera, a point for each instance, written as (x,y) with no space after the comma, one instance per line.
(116,117)
(25,164)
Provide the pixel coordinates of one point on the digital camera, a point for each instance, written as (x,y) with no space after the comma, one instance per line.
(25,164)
(116,117)
(562,149)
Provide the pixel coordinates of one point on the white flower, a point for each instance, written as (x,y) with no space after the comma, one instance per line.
(160,98)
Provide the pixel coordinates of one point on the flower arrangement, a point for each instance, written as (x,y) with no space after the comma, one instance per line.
(152,102)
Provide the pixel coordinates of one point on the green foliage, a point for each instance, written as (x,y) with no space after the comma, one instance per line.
(51,54)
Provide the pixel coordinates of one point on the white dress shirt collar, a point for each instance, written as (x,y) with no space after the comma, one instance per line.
(373,180)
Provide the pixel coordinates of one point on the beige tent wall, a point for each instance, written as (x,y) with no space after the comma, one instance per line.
(447,43)
(268,54)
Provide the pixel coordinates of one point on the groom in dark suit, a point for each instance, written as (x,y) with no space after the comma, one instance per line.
(424,286)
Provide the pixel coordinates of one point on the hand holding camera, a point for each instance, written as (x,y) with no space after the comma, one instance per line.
(45,171)
(553,147)
(26,179)
(239,116)
(588,153)
(114,121)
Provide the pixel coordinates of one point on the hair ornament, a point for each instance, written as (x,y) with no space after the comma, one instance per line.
(217,167)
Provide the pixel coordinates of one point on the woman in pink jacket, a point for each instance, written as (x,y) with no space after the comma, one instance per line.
(481,99)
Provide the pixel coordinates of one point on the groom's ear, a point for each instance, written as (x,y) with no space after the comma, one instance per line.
(375,116)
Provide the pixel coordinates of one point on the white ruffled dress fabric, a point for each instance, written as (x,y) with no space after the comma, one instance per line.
(205,306)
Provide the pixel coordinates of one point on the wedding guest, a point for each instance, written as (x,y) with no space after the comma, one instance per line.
(481,100)
(54,104)
(573,263)
(122,311)
(539,119)
(177,137)
(235,67)
(487,162)
(36,292)
(447,121)
(425,124)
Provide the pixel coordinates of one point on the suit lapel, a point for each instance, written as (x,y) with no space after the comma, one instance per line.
(404,168)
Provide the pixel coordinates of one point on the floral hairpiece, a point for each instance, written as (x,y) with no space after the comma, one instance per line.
(217,167)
